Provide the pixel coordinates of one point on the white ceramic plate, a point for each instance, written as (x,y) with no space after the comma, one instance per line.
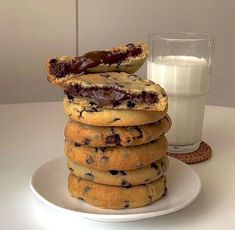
(49,184)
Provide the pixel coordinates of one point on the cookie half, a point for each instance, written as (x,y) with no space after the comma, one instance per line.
(109,117)
(118,157)
(127,58)
(125,178)
(114,197)
(99,136)
(116,91)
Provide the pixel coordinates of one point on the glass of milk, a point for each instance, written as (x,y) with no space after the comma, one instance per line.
(181,64)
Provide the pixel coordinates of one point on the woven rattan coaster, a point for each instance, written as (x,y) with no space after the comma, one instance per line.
(202,154)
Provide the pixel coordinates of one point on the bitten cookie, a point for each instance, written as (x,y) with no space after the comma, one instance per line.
(118,157)
(98,136)
(116,91)
(124,178)
(114,197)
(110,117)
(127,58)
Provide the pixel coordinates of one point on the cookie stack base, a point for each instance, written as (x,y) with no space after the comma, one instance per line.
(114,197)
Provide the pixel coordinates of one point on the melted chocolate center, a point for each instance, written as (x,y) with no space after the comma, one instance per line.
(109,95)
(79,65)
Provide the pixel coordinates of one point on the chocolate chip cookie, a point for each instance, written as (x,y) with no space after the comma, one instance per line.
(114,197)
(116,91)
(99,136)
(118,157)
(125,178)
(127,58)
(109,117)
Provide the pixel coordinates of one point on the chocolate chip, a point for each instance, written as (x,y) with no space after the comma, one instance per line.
(104,74)
(126,203)
(126,184)
(130,104)
(87,141)
(86,189)
(70,169)
(89,176)
(103,149)
(128,141)
(116,119)
(96,149)
(80,198)
(77,144)
(89,160)
(140,132)
(113,172)
(113,139)
(70,97)
(153,165)
(104,159)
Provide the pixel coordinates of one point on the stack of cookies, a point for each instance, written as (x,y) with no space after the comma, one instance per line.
(115,144)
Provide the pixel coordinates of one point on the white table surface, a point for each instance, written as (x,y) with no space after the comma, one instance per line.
(32,134)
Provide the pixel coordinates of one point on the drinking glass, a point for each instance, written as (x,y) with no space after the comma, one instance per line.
(181,64)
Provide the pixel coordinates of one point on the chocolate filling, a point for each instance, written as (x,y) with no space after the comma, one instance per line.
(79,65)
(109,95)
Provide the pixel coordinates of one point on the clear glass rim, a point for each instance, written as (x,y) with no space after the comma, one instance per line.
(181,37)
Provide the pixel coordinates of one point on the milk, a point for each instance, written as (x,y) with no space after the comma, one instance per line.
(185,79)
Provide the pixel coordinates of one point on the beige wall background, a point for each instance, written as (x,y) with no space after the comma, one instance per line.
(33,31)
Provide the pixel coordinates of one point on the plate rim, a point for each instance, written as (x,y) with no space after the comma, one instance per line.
(107,216)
